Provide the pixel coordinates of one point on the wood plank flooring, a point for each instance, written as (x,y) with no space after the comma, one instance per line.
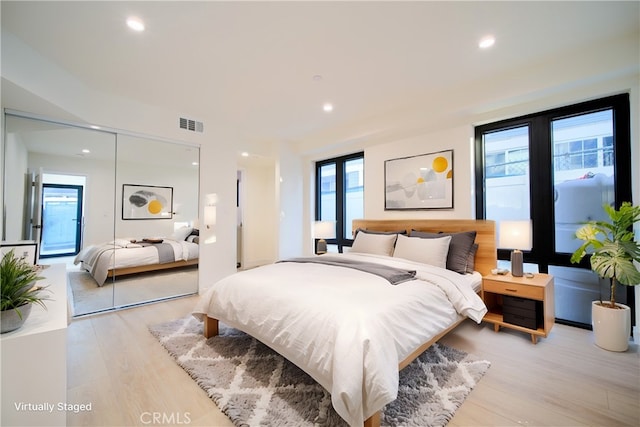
(565,380)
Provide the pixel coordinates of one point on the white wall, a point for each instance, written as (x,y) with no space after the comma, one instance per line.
(289,195)
(456,139)
(259,214)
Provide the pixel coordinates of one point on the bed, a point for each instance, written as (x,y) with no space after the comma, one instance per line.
(129,255)
(351,329)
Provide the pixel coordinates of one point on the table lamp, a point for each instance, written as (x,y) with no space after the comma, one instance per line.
(515,235)
(323,230)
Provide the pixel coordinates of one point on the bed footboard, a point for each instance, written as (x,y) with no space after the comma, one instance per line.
(210,327)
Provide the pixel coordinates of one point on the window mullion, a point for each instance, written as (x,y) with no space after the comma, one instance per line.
(541,191)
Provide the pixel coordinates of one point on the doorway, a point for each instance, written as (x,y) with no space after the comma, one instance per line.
(61,220)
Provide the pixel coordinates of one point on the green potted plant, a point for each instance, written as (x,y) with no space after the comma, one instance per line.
(614,255)
(18,291)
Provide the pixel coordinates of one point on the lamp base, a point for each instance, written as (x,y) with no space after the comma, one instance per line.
(321,247)
(516,263)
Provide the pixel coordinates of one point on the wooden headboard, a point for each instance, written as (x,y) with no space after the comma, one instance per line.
(486,257)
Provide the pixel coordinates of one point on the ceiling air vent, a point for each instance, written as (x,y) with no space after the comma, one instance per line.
(191,125)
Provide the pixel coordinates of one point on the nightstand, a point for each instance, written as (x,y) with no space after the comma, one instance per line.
(520,303)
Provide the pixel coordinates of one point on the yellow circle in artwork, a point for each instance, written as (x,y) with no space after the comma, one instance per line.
(155,207)
(440,164)
(420,180)
(450,174)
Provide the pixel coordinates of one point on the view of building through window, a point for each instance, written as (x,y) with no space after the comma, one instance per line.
(582,169)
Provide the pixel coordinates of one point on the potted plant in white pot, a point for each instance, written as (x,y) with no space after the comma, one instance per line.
(18,291)
(614,255)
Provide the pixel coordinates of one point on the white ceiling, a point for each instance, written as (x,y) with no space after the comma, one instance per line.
(250,65)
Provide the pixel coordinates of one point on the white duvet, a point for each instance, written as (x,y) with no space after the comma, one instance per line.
(121,253)
(346,328)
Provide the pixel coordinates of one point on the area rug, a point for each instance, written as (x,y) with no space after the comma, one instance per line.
(255,386)
(88,297)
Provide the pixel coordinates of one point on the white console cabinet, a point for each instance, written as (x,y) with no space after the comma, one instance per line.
(34,361)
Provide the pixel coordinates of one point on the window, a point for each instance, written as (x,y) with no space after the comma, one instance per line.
(557,168)
(340,194)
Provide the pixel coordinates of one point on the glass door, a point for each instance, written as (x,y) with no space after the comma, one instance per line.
(583,173)
(61,220)
(583,181)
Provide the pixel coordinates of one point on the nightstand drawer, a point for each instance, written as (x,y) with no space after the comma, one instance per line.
(516,302)
(522,312)
(526,322)
(515,289)
(529,314)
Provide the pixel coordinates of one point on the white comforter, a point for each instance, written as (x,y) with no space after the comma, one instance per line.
(346,328)
(121,253)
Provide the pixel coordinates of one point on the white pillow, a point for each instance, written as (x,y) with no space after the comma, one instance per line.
(425,251)
(379,244)
(120,242)
(181,233)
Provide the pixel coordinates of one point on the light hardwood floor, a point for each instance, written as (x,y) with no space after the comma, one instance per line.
(565,380)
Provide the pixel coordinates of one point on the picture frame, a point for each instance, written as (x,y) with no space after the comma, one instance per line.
(424,181)
(146,202)
(27,250)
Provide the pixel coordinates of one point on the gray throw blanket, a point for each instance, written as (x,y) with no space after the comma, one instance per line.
(165,252)
(391,274)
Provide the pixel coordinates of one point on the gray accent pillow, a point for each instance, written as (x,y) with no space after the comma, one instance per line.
(459,249)
(471,261)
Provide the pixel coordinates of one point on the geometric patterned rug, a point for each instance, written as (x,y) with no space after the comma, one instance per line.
(255,386)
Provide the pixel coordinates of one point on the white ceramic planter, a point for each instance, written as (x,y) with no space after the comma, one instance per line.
(611,327)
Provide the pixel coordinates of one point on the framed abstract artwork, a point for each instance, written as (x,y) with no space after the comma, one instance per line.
(146,202)
(418,182)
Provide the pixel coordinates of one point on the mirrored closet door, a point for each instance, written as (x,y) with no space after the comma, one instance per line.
(119,210)
(157,207)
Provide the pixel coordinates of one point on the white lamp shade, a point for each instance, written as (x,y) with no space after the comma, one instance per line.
(324,230)
(515,235)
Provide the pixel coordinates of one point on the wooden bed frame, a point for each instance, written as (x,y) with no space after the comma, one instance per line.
(116,272)
(486,259)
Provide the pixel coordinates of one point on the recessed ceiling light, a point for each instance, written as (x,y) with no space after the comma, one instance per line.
(86,151)
(486,42)
(244,154)
(194,163)
(327,107)
(135,24)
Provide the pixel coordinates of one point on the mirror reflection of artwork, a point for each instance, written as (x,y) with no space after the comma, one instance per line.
(146,202)
(419,182)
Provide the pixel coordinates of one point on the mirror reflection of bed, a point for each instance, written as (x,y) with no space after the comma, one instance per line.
(139,270)
(103,162)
